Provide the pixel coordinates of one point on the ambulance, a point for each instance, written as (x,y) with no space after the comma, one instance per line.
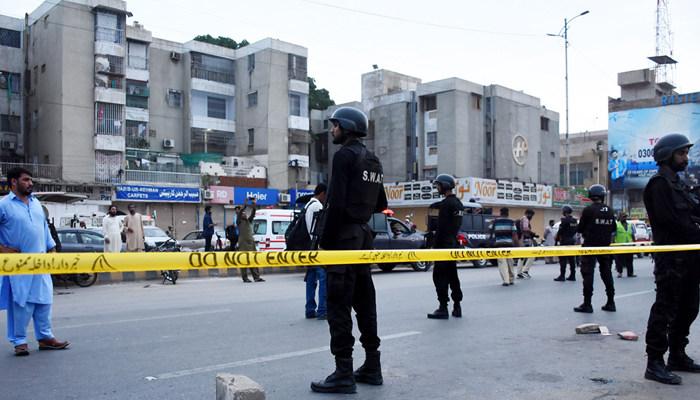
(269,226)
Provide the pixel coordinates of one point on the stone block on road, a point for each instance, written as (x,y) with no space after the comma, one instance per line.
(238,387)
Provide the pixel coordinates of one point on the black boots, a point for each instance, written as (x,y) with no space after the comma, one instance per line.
(560,278)
(572,276)
(440,313)
(371,371)
(457,310)
(610,305)
(340,381)
(657,371)
(679,361)
(585,307)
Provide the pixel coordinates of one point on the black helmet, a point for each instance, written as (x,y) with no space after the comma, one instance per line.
(567,209)
(351,119)
(596,191)
(664,147)
(446,181)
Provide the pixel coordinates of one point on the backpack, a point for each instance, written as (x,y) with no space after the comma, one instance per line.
(519,228)
(297,234)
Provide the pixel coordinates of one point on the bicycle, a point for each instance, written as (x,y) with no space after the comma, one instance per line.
(169,245)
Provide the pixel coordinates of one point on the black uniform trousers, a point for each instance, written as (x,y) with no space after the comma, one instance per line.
(677,277)
(624,261)
(445,276)
(587,272)
(571,260)
(351,287)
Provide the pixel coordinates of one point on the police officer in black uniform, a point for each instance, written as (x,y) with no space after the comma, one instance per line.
(356,191)
(596,225)
(673,215)
(565,237)
(445,272)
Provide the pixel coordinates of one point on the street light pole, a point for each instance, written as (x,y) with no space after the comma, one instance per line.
(565,30)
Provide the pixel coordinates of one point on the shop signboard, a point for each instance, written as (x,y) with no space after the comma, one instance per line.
(576,198)
(222,194)
(295,194)
(266,197)
(153,193)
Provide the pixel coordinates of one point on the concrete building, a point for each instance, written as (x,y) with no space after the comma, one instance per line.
(453,126)
(588,154)
(12,148)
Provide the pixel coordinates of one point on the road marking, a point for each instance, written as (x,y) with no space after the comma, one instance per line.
(634,294)
(217,367)
(140,319)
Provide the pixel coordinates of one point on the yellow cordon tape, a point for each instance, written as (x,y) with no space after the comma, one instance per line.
(71,263)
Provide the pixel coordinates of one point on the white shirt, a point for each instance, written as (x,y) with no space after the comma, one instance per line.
(313,206)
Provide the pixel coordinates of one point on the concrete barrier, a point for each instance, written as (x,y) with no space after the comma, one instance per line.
(238,387)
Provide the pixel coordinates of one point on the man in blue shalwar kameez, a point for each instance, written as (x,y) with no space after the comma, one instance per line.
(23,229)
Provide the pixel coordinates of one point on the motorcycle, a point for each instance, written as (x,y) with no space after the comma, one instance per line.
(169,245)
(82,280)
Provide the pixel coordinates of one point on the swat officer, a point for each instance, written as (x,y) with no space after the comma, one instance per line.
(673,215)
(596,225)
(356,191)
(565,237)
(445,272)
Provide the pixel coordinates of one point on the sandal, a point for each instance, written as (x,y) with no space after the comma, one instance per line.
(246,280)
(21,350)
(260,280)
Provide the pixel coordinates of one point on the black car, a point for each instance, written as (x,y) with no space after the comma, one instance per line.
(75,240)
(393,234)
(474,234)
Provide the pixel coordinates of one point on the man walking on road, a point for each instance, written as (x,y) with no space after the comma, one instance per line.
(505,234)
(356,192)
(597,225)
(23,229)
(133,227)
(112,229)
(673,215)
(317,273)
(208,228)
(527,238)
(445,272)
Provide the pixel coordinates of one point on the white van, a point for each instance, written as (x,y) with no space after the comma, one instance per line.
(269,226)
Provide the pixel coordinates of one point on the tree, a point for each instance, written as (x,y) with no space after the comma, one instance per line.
(319,99)
(222,41)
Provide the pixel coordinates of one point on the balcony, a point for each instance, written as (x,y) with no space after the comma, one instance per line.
(137,142)
(39,171)
(137,62)
(180,178)
(110,35)
(210,75)
(136,101)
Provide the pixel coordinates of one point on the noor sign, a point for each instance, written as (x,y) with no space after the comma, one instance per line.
(484,191)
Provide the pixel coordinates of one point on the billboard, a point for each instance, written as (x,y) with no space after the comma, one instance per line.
(632,135)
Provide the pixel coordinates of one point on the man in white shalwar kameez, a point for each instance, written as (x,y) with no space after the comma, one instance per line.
(112,231)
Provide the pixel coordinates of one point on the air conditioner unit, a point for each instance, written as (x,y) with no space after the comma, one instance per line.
(8,144)
(168,143)
(284,198)
(208,194)
(174,55)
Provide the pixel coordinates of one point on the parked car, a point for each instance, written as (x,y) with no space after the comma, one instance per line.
(474,234)
(642,234)
(76,240)
(155,237)
(393,233)
(194,241)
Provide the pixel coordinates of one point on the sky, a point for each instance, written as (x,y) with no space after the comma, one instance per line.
(500,42)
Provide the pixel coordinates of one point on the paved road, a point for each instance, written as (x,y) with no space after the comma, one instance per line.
(145,340)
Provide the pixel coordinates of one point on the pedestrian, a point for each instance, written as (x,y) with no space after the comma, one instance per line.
(673,215)
(112,229)
(23,229)
(133,228)
(527,238)
(208,232)
(597,225)
(356,191)
(232,230)
(566,236)
(624,234)
(548,237)
(505,234)
(445,272)
(317,274)
(246,242)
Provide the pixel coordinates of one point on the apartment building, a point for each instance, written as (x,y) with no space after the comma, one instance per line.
(454,126)
(11,110)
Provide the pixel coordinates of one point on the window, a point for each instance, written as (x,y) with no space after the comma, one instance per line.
(66,237)
(577,174)
(175,98)
(10,82)
(544,124)
(109,166)
(431,139)
(110,71)
(294,104)
(10,38)
(325,124)
(216,107)
(137,135)
(36,75)
(251,138)
(137,93)
(430,173)
(259,227)
(429,103)
(92,238)
(109,28)
(297,68)
(251,62)
(108,119)
(137,55)
(43,68)
(10,123)
(252,99)
(212,68)
(191,236)
(432,151)
(476,101)
(280,227)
